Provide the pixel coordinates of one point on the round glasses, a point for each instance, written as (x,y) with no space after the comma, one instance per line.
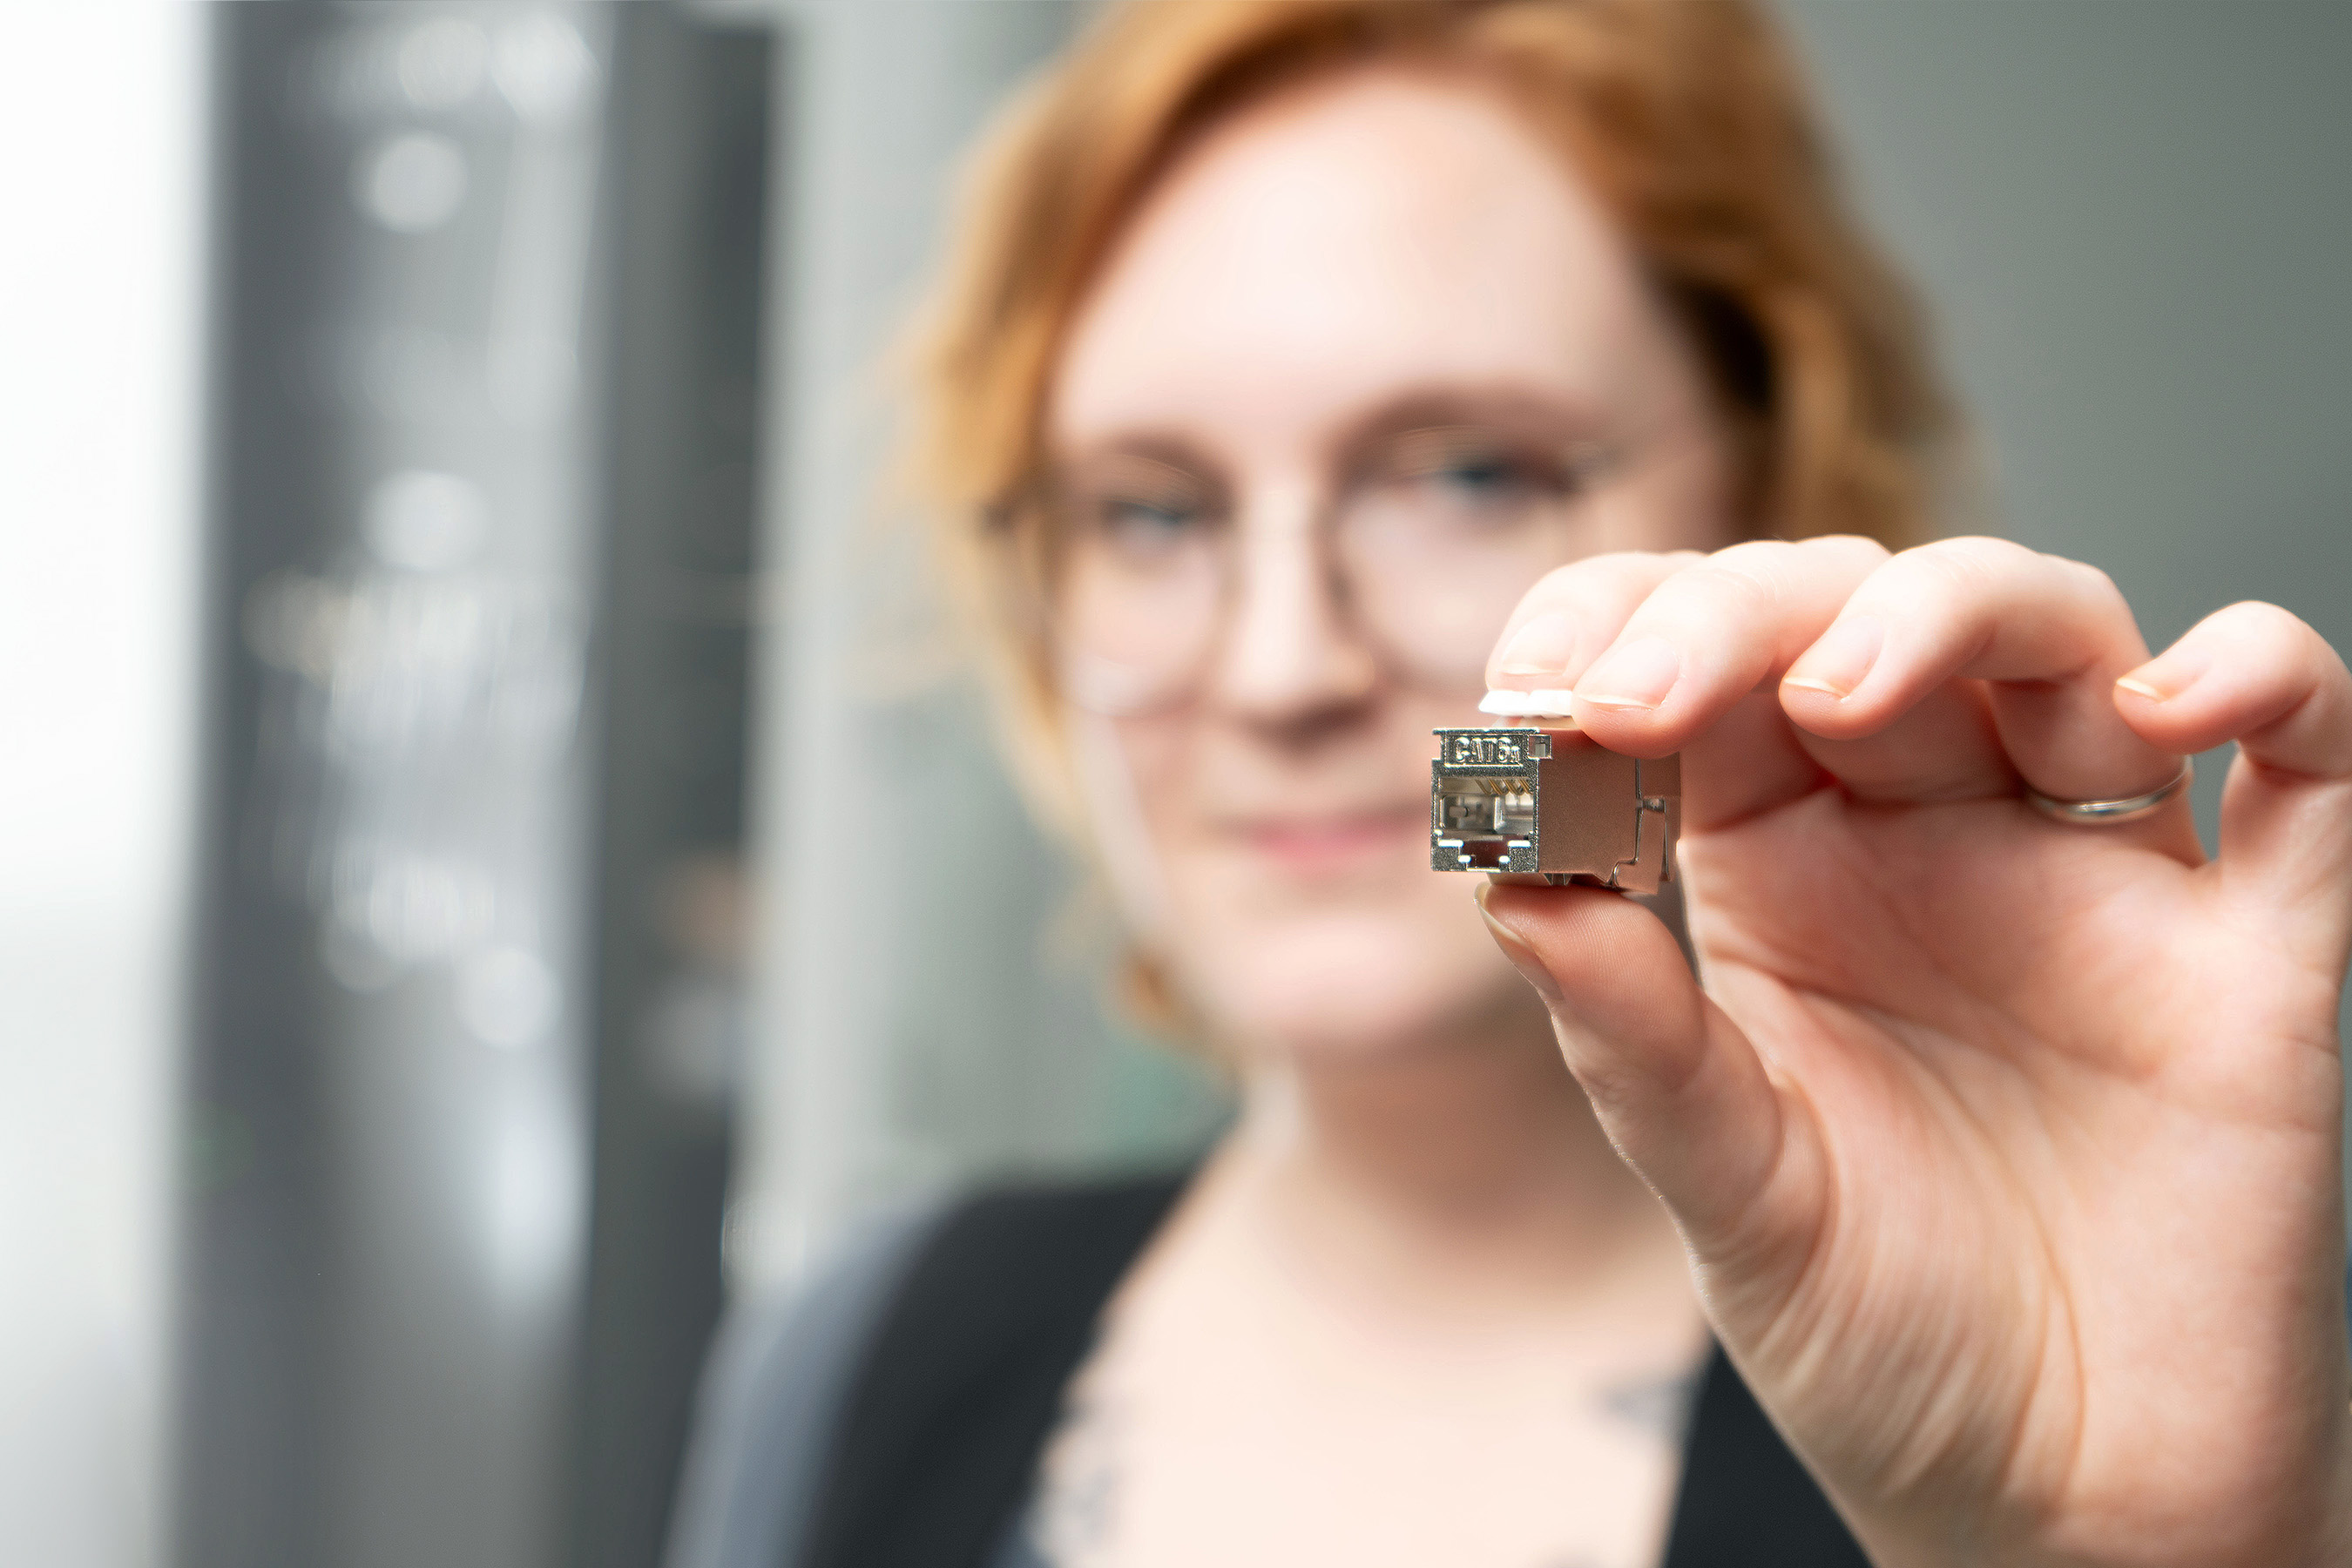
(1428,541)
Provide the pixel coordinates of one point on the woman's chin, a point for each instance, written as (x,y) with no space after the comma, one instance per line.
(1356,990)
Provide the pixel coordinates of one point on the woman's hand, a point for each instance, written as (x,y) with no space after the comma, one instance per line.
(2006,1151)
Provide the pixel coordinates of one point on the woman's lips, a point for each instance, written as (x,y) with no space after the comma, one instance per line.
(1335,841)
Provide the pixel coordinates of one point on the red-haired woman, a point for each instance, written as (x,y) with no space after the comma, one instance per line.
(1303,371)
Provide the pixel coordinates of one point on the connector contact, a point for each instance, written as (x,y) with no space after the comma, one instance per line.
(1548,804)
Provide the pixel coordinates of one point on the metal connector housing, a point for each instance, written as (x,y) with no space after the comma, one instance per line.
(1548,804)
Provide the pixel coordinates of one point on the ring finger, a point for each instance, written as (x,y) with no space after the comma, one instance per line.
(2048,637)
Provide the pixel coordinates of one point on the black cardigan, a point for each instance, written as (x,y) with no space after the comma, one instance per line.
(932,1419)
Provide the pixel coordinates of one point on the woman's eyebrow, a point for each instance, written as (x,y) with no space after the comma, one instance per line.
(1541,414)
(1168,448)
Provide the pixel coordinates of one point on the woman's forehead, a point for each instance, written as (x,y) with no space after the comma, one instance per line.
(1340,248)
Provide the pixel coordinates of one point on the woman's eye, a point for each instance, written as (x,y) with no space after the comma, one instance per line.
(1488,484)
(1144,526)
(1484,479)
(1472,476)
(1152,516)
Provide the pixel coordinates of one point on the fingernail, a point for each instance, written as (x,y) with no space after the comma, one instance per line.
(2162,679)
(1549,703)
(1841,660)
(1542,647)
(1635,675)
(1523,957)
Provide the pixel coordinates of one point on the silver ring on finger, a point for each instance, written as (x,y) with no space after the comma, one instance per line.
(2110,813)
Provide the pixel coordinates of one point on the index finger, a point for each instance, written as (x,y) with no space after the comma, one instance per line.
(1571,615)
(1680,671)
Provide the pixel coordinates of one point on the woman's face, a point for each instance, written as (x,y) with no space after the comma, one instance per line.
(1368,361)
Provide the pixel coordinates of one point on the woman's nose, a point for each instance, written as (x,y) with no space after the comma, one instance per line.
(1289,652)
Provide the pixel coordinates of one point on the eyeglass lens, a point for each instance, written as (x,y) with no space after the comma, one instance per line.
(1435,534)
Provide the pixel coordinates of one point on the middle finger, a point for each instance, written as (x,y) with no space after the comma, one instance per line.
(1704,639)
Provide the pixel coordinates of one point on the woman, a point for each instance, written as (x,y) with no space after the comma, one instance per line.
(1305,370)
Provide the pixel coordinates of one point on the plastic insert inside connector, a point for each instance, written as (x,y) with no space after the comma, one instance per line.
(1490,808)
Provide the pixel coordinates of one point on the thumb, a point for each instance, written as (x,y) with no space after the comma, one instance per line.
(1678,1085)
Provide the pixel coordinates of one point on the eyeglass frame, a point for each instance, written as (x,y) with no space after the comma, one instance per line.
(1598,464)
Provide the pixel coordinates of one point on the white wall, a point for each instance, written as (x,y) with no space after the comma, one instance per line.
(100,172)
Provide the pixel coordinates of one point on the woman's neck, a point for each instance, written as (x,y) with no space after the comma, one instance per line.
(1465,1174)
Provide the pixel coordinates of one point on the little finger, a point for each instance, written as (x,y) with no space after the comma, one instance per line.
(2254,674)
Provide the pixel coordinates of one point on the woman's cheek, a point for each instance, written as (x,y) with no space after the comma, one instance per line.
(1132,788)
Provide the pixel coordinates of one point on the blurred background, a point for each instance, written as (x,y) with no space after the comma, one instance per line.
(495,855)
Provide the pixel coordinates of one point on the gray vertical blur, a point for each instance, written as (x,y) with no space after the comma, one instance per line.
(388,1090)
(921,1025)
(683,238)
(482,422)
